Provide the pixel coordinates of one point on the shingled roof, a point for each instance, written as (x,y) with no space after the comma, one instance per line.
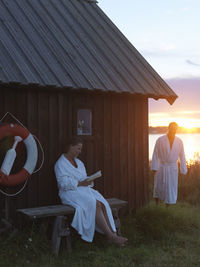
(71,43)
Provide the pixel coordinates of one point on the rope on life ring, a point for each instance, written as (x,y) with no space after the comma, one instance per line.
(21,134)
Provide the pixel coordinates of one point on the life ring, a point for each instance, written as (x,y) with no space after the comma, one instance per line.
(23,134)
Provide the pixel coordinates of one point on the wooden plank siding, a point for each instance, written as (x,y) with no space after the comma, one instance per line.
(33,126)
(118,146)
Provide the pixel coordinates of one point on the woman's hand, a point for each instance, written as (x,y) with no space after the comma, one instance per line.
(84,183)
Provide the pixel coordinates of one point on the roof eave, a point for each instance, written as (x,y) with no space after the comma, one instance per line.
(170,99)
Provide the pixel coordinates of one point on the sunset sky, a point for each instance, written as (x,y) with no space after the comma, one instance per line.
(166,33)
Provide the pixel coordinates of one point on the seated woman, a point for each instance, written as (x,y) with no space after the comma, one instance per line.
(91,208)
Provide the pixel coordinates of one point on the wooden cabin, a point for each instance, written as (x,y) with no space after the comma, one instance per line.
(66,70)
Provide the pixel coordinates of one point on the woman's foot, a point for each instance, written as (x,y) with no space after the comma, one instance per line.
(118,240)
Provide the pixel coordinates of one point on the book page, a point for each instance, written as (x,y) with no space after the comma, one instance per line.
(94,176)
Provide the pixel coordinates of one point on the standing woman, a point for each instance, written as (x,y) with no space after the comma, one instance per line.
(92,210)
(167,151)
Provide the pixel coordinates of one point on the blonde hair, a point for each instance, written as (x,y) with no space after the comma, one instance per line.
(173,123)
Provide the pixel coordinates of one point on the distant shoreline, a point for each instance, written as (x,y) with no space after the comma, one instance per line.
(163,130)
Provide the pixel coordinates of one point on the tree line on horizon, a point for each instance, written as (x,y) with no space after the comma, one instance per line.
(163,130)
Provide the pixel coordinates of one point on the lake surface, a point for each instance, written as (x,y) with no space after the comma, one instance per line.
(191,145)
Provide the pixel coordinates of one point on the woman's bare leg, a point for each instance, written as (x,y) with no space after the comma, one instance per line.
(106,217)
(101,220)
(106,228)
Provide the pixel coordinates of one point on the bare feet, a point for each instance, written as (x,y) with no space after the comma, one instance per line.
(118,240)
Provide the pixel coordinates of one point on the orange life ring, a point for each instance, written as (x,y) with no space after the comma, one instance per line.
(16,130)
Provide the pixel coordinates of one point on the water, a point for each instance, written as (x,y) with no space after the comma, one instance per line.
(191,145)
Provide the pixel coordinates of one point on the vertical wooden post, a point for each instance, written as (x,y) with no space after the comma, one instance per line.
(60,230)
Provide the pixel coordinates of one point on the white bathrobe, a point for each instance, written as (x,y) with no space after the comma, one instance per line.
(82,198)
(164,161)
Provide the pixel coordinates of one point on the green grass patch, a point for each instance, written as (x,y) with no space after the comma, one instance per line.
(189,185)
(158,236)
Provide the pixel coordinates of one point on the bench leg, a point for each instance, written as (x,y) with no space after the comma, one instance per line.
(56,238)
(60,230)
(68,242)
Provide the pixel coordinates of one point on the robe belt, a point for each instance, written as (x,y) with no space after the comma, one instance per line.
(168,164)
(165,165)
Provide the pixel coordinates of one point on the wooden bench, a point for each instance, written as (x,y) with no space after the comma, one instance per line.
(61,225)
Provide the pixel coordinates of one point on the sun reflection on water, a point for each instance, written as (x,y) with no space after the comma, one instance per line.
(191,146)
(191,153)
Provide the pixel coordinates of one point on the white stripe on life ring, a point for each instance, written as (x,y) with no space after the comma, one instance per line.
(32,154)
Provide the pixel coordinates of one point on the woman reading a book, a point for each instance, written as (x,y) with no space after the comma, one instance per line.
(75,188)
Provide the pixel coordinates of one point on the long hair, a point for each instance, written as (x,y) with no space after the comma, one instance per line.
(173,123)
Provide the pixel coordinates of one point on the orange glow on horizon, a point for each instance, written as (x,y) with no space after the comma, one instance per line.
(163,119)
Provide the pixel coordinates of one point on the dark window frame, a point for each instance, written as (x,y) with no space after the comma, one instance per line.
(90,133)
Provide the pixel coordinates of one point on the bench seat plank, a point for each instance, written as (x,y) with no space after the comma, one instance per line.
(47,211)
(57,210)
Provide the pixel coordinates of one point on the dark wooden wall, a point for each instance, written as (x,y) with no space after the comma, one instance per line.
(118,146)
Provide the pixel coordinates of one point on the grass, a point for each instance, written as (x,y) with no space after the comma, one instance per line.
(189,185)
(158,237)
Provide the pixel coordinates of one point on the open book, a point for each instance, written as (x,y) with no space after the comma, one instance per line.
(94,176)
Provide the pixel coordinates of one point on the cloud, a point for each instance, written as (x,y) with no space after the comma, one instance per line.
(159,52)
(186,116)
(186,9)
(159,114)
(192,63)
(157,48)
(189,112)
(180,114)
